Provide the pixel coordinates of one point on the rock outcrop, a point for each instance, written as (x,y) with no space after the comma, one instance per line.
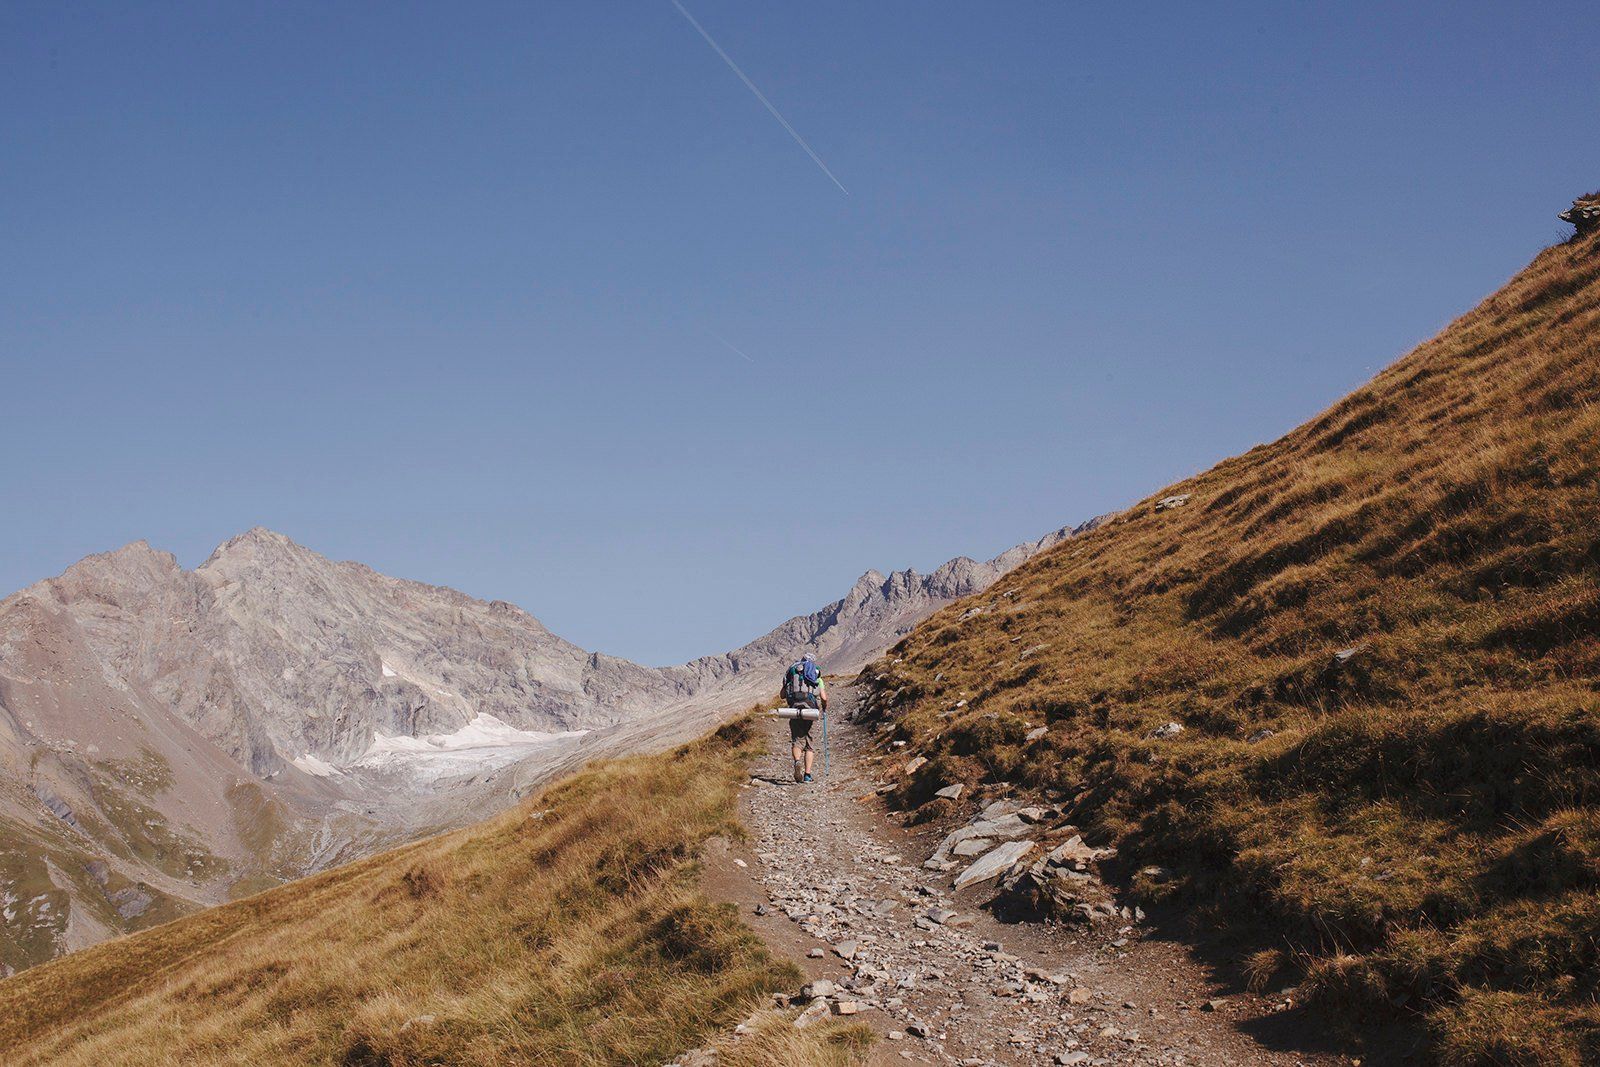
(1584,214)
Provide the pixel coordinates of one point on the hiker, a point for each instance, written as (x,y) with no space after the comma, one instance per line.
(803,688)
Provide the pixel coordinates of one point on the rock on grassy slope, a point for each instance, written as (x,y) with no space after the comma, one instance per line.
(567,931)
(1342,690)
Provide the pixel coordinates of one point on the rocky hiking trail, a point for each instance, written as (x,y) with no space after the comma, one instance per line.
(889,925)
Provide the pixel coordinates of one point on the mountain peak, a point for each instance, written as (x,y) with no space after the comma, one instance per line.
(134,556)
(254,543)
(872,579)
(260,535)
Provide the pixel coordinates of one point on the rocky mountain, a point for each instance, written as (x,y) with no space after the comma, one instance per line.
(171,738)
(853,630)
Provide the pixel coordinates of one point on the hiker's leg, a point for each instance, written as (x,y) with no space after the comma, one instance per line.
(809,755)
(794,746)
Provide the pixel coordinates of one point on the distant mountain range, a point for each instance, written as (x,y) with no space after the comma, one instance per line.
(171,738)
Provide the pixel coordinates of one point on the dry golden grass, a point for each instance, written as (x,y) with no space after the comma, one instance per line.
(774,1042)
(1423,826)
(566,932)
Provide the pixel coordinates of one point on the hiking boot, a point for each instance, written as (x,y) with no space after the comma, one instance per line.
(808,778)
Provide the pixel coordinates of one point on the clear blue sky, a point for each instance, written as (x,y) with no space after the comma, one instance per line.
(455,289)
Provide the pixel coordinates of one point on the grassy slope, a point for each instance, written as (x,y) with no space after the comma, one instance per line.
(1424,824)
(566,932)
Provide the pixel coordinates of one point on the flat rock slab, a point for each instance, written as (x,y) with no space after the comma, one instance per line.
(996,808)
(994,864)
(1003,828)
(1012,825)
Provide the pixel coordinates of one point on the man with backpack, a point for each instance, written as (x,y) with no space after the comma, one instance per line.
(803,688)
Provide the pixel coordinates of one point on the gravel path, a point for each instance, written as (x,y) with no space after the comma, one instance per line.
(830,879)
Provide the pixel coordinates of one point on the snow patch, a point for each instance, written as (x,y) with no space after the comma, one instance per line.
(314,767)
(447,697)
(484,743)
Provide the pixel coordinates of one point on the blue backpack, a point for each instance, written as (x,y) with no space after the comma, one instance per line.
(801,679)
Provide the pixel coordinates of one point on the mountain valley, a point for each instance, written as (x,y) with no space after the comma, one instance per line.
(171,739)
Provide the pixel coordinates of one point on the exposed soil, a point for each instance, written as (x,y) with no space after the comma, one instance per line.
(828,867)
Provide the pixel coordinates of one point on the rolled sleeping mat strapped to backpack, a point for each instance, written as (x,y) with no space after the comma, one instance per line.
(797,713)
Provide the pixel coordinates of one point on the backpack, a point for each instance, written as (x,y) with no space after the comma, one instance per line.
(801,679)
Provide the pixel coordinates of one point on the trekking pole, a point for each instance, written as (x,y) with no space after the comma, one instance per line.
(824,742)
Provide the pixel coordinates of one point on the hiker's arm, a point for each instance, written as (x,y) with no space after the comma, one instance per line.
(822,694)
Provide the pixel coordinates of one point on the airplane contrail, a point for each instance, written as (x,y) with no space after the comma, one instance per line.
(730,345)
(801,141)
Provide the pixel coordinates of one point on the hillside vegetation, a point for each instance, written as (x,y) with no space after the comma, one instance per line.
(1380,635)
(566,932)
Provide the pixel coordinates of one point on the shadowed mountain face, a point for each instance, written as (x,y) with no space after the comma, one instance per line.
(169,738)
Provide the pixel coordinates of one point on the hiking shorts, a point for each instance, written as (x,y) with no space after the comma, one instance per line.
(800,732)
